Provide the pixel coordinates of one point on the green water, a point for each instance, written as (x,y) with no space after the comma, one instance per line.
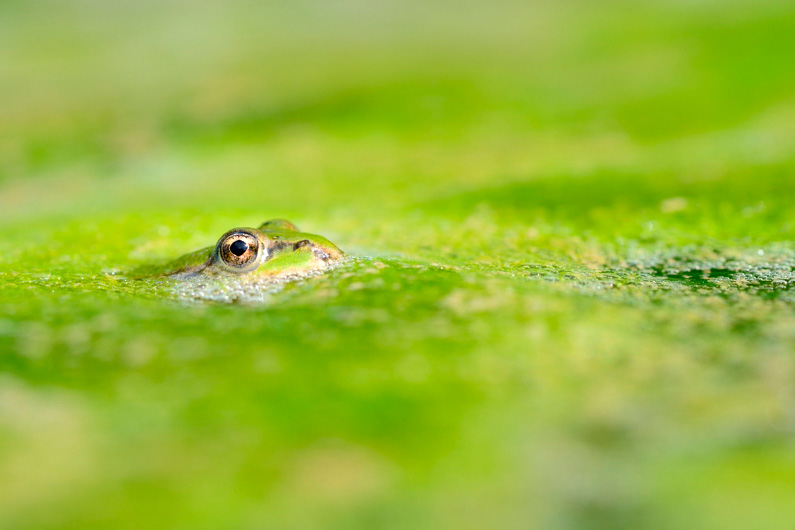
(570,301)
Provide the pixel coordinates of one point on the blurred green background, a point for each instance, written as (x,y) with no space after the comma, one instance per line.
(571,305)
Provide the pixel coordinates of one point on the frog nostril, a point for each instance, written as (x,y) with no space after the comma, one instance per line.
(238,248)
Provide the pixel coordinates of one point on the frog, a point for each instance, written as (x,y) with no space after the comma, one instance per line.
(276,251)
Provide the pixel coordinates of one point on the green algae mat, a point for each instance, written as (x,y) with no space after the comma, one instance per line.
(570,298)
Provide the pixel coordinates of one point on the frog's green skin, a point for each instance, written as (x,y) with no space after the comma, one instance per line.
(283,252)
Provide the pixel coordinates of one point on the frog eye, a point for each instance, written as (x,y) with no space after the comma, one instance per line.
(240,250)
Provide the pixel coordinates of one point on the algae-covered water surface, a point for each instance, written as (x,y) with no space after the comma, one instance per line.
(569,297)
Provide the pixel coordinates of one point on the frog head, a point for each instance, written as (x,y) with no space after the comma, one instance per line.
(275,250)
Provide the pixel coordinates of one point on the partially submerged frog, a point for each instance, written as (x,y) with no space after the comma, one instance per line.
(248,259)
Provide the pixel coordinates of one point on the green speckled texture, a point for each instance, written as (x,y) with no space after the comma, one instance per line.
(570,302)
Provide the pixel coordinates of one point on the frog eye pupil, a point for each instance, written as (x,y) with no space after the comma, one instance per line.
(238,248)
